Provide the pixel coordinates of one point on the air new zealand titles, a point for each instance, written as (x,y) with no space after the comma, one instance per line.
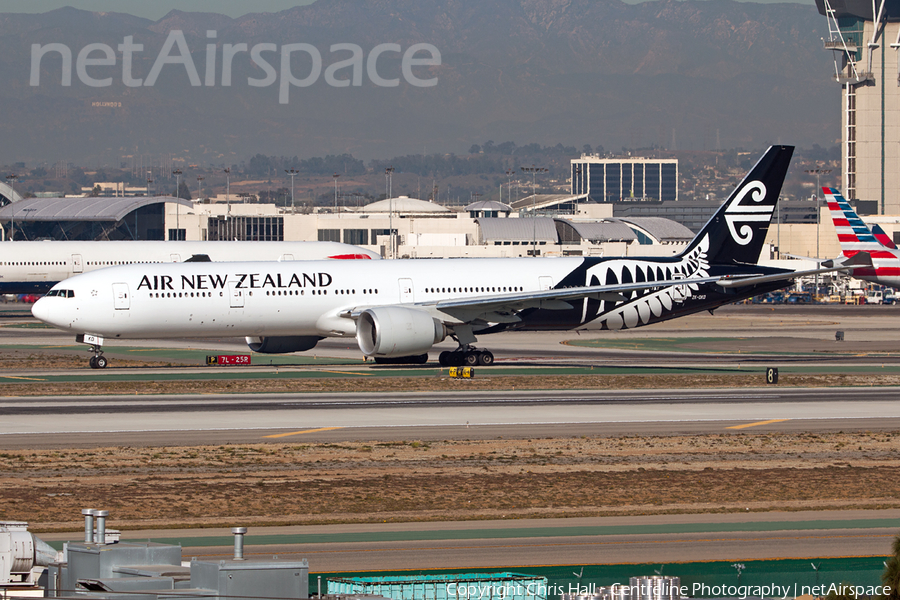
(242,281)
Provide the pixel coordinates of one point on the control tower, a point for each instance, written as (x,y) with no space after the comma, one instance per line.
(864,36)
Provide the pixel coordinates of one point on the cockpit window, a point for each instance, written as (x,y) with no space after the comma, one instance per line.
(61,293)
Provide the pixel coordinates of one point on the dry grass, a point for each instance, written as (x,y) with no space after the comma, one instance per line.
(440,383)
(439,479)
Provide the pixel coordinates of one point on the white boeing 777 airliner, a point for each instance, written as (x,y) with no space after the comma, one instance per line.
(398,309)
(35,267)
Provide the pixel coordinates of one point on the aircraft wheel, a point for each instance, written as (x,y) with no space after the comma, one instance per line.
(444,359)
(422,359)
(93,362)
(470,359)
(457,359)
(101,362)
(485,358)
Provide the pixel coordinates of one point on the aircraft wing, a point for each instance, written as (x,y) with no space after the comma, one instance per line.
(858,260)
(502,308)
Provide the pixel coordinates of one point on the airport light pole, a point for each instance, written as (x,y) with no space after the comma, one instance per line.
(534,171)
(509,174)
(292,172)
(576,171)
(177,173)
(149,181)
(200,179)
(389,188)
(227,172)
(817,173)
(11,178)
(335,176)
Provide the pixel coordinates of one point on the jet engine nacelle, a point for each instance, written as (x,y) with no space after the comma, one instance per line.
(397,331)
(282,345)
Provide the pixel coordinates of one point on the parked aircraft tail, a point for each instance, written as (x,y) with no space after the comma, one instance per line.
(736,232)
(853,234)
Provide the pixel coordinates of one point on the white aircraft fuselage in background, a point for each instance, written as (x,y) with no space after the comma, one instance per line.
(35,267)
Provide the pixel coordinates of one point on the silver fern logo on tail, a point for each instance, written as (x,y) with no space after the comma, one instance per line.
(737,212)
(642,308)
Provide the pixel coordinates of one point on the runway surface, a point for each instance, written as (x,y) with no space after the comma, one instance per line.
(188,419)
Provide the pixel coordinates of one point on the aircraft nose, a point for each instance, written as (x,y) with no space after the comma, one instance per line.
(41,310)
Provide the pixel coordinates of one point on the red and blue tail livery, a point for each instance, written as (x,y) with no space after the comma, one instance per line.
(855,237)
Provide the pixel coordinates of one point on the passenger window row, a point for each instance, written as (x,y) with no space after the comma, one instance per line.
(107,263)
(249,293)
(184,294)
(473,290)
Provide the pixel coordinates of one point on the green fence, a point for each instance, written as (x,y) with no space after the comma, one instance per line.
(769,578)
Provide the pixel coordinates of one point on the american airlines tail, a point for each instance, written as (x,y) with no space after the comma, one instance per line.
(855,237)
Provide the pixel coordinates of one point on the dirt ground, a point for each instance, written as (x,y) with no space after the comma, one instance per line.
(408,480)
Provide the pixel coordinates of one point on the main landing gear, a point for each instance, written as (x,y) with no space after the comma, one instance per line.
(98,361)
(467,356)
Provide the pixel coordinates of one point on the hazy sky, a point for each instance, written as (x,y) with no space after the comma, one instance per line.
(158,8)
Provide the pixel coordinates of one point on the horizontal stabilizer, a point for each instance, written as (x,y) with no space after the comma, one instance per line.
(860,260)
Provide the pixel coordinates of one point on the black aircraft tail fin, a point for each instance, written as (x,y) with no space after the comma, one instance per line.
(736,232)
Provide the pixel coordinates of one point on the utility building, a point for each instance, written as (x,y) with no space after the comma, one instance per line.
(625,179)
(864,36)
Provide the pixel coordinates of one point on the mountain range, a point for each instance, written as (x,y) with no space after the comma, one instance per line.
(675,74)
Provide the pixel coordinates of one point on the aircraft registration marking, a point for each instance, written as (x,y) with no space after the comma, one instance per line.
(757,423)
(281,435)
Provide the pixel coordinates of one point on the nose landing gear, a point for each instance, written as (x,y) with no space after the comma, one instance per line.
(98,361)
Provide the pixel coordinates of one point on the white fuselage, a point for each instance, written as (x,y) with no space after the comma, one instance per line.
(34,267)
(318,298)
(283,299)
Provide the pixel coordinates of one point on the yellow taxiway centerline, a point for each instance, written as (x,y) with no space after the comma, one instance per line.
(281,435)
(757,423)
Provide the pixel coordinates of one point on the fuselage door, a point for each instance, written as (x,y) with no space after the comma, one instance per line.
(121,301)
(286,257)
(77,264)
(545,282)
(406,290)
(236,295)
(680,292)
(175,257)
